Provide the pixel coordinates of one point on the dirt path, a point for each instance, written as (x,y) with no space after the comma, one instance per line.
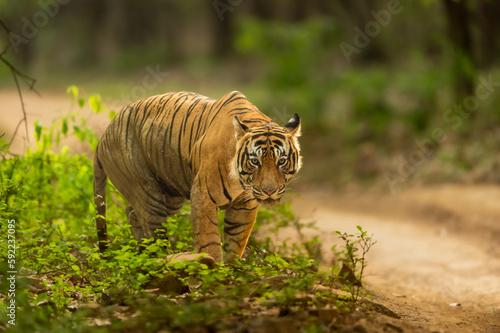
(436,247)
(45,107)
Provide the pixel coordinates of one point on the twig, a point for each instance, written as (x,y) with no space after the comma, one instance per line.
(27,79)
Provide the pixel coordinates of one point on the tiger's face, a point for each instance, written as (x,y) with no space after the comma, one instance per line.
(267,158)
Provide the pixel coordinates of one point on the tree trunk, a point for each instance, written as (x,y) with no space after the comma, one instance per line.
(459,22)
(489,27)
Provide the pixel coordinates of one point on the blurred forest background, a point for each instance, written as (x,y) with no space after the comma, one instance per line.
(390,92)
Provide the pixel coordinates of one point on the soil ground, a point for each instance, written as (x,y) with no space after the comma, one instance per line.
(437,258)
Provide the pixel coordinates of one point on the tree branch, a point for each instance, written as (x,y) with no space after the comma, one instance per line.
(29,81)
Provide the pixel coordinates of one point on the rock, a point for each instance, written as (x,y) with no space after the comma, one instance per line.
(102,322)
(203,258)
(23,271)
(324,289)
(325,315)
(34,284)
(169,284)
(380,308)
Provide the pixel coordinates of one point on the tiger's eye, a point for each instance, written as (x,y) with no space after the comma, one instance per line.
(282,161)
(254,161)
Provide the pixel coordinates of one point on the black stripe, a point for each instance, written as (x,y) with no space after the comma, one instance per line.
(248,200)
(252,121)
(127,130)
(232,98)
(213,222)
(207,245)
(226,193)
(230,226)
(179,101)
(244,208)
(235,241)
(267,135)
(197,128)
(208,190)
(156,212)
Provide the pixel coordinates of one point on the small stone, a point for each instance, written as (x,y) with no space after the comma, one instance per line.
(380,308)
(102,322)
(34,284)
(322,289)
(171,284)
(168,284)
(206,259)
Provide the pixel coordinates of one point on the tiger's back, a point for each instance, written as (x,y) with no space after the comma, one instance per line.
(166,149)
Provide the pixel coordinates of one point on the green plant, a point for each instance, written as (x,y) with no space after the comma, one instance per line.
(354,257)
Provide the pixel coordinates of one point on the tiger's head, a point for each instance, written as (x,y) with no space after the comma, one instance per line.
(267,157)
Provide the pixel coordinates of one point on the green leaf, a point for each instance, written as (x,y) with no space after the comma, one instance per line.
(79,133)
(65,126)
(73,91)
(38,130)
(81,102)
(112,114)
(95,103)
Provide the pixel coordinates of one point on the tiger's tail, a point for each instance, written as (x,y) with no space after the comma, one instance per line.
(100,181)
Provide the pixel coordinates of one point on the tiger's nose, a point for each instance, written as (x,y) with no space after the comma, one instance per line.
(269,191)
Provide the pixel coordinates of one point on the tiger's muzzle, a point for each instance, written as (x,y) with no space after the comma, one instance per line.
(268,196)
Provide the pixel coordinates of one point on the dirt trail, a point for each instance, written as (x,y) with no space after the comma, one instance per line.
(435,247)
(46,108)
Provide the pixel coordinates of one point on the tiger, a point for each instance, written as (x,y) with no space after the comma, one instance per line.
(161,151)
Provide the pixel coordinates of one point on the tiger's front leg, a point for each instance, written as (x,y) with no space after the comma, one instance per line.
(238,224)
(205,227)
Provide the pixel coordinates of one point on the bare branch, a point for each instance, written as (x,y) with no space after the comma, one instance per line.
(29,81)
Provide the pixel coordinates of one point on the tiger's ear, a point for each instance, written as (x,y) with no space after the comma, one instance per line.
(293,125)
(240,128)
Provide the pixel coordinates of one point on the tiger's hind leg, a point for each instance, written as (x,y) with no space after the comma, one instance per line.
(135,228)
(144,222)
(173,205)
(147,211)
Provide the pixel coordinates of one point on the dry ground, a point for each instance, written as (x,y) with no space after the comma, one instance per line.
(437,259)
